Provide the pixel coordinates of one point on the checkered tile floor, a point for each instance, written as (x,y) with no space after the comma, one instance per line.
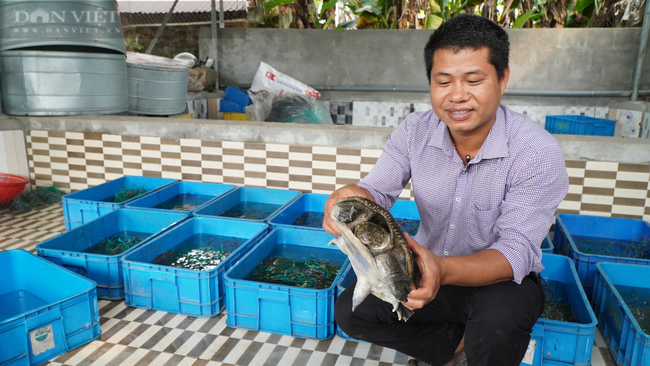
(133,336)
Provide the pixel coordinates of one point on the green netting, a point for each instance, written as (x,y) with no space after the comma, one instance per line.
(638,248)
(315,274)
(35,198)
(126,193)
(114,246)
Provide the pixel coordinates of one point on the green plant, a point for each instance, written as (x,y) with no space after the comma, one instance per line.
(579,12)
(132,43)
(371,14)
(317,11)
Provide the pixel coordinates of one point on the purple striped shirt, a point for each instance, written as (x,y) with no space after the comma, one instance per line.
(505,199)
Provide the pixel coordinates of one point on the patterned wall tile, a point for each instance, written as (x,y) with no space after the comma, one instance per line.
(341,112)
(75,161)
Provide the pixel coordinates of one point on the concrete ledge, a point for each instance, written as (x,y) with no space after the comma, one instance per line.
(597,148)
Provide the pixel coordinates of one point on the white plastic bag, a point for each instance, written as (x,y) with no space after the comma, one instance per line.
(270,80)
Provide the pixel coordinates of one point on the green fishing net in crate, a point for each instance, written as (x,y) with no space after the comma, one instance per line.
(315,274)
(127,193)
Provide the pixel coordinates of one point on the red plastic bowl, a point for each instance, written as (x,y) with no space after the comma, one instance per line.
(10,187)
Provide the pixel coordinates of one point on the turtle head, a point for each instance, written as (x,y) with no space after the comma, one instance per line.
(351,211)
(372,235)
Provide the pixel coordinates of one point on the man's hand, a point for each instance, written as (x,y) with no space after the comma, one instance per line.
(345,191)
(432,272)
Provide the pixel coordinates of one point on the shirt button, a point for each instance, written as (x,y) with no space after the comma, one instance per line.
(446,252)
(457,199)
(452,226)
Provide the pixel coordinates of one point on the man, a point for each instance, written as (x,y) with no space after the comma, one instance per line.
(487,182)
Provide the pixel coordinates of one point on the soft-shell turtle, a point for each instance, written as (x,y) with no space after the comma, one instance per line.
(377,250)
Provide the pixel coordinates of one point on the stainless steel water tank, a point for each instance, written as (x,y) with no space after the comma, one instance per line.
(52,83)
(157,85)
(91,23)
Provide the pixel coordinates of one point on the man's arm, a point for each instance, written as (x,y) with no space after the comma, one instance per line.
(479,269)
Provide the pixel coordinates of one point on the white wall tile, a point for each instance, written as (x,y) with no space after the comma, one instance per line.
(324,150)
(599,183)
(274,147)
(237,159)
(601,112)
(569,205)
(633,176)
(575,189)
(628,210)
(364,113)
(599,200)
(255,168)
(630,193)
(212,178)
(602,166)
(233,145)
(105,137)
(76,135)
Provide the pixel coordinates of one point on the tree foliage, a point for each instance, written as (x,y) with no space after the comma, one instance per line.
(429,14)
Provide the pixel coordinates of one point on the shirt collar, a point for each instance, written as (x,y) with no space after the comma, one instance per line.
(494,146)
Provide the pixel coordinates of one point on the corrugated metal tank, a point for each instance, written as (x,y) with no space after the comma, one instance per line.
(54,83)
(157,85)
(91,23)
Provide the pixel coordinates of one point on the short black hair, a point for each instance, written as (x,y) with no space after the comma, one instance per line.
(470,31)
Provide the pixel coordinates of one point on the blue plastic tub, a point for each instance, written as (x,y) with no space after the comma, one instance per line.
(39,318)
(89,204)
(180,290)
(67,249)
(407,215)
(236,95)
(289,310)
(263,202)
(560,343)
(568,227)
(309,204)
(187,191)
(626,340)
(347,277)
(226,105)
(580,125)
(547,245)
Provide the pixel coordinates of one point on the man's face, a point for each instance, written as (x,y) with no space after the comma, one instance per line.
(465,90)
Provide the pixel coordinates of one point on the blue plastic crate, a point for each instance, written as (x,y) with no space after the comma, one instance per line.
(568,226)
(248,195)
(180,290)
(308,202)
(580,125)
(295,311)
(236,95)
(226,105)
(150,201)
(89,204)
(67,249)
(547,245)
(39,318)
(626,340)
(406,210)
(347,277)
(559,343)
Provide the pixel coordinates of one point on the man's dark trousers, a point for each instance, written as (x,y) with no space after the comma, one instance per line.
(497,321)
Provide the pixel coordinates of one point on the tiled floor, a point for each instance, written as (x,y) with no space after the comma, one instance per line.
(133,336)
